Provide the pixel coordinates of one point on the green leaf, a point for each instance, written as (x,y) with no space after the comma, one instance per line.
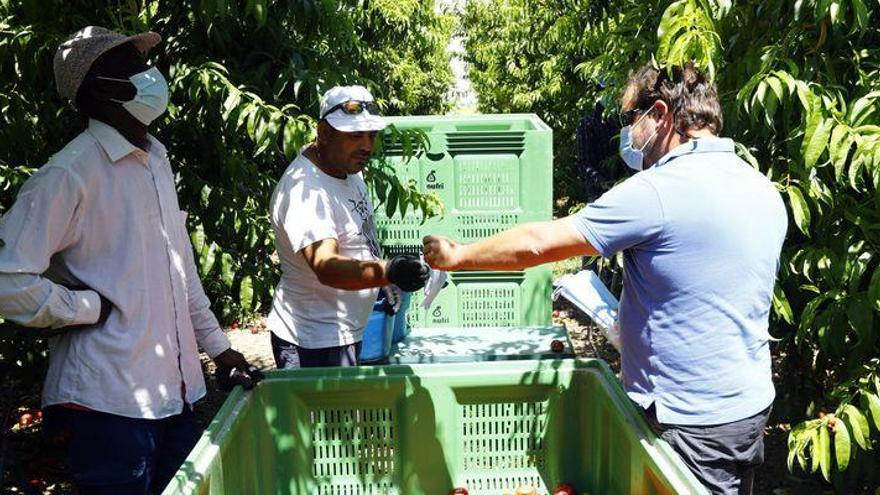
(798,438)
(815,457)
(776,85)
(874,289)
(781,306)
(747,155)
(290,142)
(873,405)
(861,12)
(799,209)
(227,274)
(841,142)
(198,238)
(859,423)
(760,95)
(391,204)
(822,450)
(855,169)
(252,237)
(862,108)
(246,293)
(816,139)
(231,103)
(206,260)
(861,318)
(841,445)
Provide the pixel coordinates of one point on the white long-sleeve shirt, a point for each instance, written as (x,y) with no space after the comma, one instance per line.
(103,214)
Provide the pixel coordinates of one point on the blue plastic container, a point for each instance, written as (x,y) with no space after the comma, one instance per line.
(401,329)
(376,345)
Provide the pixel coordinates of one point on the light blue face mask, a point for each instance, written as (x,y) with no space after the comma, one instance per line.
(632,156)
(151,99)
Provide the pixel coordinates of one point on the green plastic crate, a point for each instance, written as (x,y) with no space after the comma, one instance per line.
(492,172)
(488,299)
(425,429)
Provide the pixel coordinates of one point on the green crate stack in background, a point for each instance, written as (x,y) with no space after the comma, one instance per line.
(491,172)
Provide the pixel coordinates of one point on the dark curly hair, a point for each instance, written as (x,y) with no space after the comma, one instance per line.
(691,97)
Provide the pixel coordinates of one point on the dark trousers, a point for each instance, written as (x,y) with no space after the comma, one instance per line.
(723,457)
(291,356)
(112,454)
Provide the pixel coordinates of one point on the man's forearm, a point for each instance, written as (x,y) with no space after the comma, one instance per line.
(34,301)
(513,249)
(525,246)
(350,274)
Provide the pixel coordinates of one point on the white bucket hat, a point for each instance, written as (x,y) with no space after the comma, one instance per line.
(75,56)
(334,114)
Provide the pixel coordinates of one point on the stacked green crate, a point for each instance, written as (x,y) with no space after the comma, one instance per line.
(491,172)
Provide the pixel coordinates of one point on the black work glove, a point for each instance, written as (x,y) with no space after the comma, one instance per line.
(228,378)
(408,272)
(233,369)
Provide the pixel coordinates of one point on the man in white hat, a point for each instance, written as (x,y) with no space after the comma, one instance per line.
(95,248)
(331,262)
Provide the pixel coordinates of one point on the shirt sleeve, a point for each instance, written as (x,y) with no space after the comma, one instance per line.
(42,222)
(209,336)
(625,217)
(308,217)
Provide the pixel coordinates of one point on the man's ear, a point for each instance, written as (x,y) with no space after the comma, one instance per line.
(660,109)
(324,132)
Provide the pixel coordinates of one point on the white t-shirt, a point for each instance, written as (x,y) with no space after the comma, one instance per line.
(309,205)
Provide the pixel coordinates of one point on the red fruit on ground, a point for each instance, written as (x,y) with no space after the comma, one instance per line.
(557,346)
(564,489)
(38,414)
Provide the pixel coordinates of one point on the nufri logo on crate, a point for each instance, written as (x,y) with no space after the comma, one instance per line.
(438,317)
(431,181)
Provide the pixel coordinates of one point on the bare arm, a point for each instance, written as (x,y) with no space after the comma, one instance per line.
(521,247)
(342,272)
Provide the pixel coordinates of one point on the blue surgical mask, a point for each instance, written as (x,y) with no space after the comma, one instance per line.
(151,99)
(632,156)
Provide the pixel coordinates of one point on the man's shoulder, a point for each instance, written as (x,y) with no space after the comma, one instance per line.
(79,158)
(300,185)
(296,174)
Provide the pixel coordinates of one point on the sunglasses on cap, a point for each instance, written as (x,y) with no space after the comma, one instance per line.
(353,107)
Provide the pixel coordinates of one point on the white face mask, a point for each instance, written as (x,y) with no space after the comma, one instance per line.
(632,156)
(151,99)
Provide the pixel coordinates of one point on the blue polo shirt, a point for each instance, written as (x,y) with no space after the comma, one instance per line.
(701,232)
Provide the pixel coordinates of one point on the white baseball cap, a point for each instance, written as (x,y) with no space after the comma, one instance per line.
(75,56)
(368,119)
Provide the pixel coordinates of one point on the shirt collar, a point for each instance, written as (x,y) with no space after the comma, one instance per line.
(117,147)
(699,145)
